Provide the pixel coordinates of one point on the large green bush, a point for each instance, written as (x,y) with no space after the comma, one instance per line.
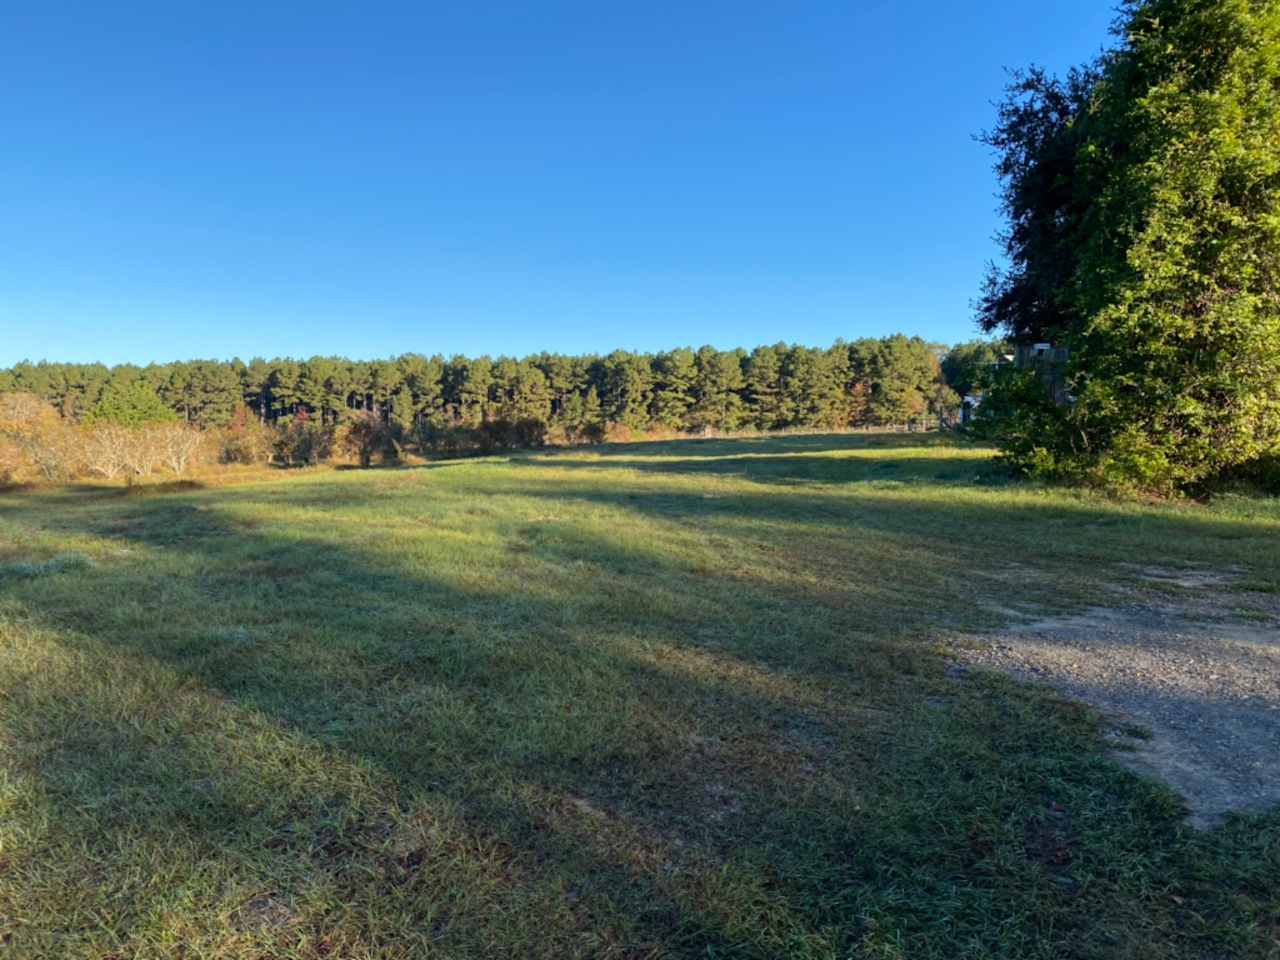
(1144,204)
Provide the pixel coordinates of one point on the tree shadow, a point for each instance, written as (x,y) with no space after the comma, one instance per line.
(624,820)
(768,443)
(598,763)
(791,460)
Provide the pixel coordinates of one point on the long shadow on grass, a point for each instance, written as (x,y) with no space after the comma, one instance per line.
(780,462)
(938,538)
(789,460)
(963,520)
(772,444)
(622,773)
(641,782)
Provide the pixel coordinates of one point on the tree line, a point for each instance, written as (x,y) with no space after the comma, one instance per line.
(526,401)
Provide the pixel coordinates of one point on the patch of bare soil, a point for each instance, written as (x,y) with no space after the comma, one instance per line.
(264,912)
(1189,659)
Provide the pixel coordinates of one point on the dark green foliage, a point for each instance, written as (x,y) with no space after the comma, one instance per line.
(400,413)
(676,374)
(472,381)
(1143,196)
(1036,141)
(627,388)
(581,417)
(523,392)
(903,373)
(718,390)
(764,386)
(970,367)
(203,391)
(130,402)
(464,404)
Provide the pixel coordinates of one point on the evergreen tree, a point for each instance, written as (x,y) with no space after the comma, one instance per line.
(85,383)
(565,376)
(764,387)
(383,379)
(1144,200)
(337,385)
(521,392)
(130,401)
(178,391)
(255,388)
(440,402)
(904,372)
(216,391)
(675,377)
(970,367)
(582,416)
(719,388)
(424,378)
(475,377)
(530,395)
(829,393)
(400,412)
(862,364)
(798,377)
(283,384)
(628,385)
(312,392)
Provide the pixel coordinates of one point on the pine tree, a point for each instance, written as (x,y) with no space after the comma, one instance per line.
(675,376)
(970,367)
(526,395)
(438,403)
(904,372)
(719,390)
(424,379)
(130,401)
(628,386)
(798,376)
(400,412)
(178,391)
(255,387)
(829,393)
(284,383)
(474,380)
(217,391)
(764,387)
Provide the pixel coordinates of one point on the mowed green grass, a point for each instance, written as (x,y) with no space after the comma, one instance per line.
(670,700)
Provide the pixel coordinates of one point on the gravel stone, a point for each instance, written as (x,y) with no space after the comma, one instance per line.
(1178,661)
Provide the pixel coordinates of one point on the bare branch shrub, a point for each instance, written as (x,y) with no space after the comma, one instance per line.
(178,445)
(144,449)
(37,442)
(106,446)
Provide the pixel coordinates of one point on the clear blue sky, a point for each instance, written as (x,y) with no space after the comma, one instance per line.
(186,179)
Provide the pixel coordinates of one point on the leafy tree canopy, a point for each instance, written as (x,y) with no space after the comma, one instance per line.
(131,404)
(1142,195)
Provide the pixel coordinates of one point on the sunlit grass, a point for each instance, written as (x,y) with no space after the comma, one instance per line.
(683,699)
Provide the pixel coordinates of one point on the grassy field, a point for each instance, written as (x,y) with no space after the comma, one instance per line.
(676,700)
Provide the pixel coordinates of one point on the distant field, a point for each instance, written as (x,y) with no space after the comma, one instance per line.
(650,700)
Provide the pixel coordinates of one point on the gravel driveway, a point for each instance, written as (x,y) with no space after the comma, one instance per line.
(1191,660)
